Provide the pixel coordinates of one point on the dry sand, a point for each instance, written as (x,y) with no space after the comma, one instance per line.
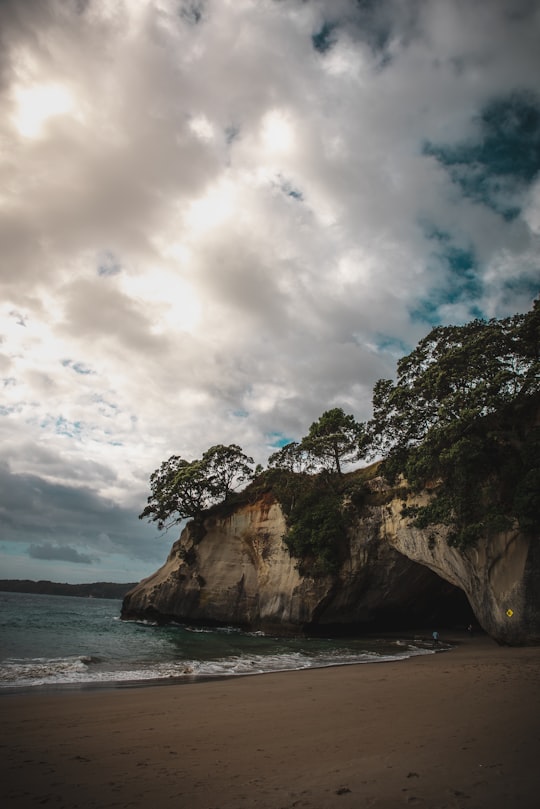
(456,729)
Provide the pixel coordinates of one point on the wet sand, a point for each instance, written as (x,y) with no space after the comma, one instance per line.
(456,729)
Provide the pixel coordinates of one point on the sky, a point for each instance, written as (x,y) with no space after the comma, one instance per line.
(220,218)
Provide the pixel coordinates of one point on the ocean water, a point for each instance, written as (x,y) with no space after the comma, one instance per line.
(49,641)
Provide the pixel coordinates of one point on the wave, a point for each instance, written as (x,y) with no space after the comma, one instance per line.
(89,669)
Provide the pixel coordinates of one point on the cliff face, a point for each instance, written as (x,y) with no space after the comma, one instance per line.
(500,575)
(240,572)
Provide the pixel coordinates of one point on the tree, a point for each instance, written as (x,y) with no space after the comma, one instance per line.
(180,490)
(225,467)
(183,489)
(335,439)
(293,457)
(456,375)
(461,415)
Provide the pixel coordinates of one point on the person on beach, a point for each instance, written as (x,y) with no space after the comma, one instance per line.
(435,637)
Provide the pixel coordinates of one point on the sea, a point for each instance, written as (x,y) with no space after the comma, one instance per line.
(55,642)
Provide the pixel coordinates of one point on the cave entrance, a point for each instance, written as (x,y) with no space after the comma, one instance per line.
(415,600)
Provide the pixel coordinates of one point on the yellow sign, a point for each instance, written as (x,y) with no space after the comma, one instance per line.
(509,613)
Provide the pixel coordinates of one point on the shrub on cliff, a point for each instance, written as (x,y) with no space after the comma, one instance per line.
(318,509)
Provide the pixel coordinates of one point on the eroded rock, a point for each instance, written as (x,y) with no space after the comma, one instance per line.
(237,570)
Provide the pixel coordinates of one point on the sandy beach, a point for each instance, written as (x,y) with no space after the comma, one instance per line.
(456,729)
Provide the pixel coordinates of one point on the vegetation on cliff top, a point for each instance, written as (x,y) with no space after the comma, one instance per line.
(183,489)
(462,418)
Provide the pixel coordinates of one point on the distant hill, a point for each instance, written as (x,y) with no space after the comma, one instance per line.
(98,589)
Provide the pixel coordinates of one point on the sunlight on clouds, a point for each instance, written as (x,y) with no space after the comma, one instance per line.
(174,301)
(176,250)
(37,104)
(277,132)
(27,340)
(212,210)
(347,59)
(202,127)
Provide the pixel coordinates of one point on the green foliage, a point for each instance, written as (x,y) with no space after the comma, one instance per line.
(224,467)
(183,489)
(460,417)
(318,509)
(292,457)
(179,490)
(315,529)
(334,439)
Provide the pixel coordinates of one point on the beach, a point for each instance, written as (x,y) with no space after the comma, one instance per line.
(455,729)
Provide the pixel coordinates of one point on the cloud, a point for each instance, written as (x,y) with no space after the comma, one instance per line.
(62,553)
(70,522)
(240,215)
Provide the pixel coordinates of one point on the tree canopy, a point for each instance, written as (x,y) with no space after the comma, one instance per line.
(332,441)
(457,373)
(291,457)
(461,414)
(183,489)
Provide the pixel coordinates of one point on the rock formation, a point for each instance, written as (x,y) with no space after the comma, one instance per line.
(500,575)
(237,570)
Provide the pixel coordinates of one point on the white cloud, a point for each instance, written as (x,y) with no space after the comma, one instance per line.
(212,230)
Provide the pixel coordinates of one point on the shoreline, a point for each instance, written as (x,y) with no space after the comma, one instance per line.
(427,647)
(445,731)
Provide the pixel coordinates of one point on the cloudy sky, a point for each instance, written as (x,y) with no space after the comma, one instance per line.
(219,218)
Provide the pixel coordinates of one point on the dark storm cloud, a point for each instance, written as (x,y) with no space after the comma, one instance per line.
(62,553)
(59,518)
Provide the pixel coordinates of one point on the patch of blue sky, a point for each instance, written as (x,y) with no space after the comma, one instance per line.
(325,37)
(464,278)
(108,264)
(240,414)
(105,408)
(498,165)
(278,440)
(426,310)
(387,344)
(79,367)
(71,429)
(291,191)
(432,310)
(462,284)
(527,287)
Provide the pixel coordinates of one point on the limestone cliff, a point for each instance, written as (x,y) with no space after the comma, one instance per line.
(240,572)
(237,570)
(500,575)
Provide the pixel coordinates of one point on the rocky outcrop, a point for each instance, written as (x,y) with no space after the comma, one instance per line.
(237,570)
(500,575)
